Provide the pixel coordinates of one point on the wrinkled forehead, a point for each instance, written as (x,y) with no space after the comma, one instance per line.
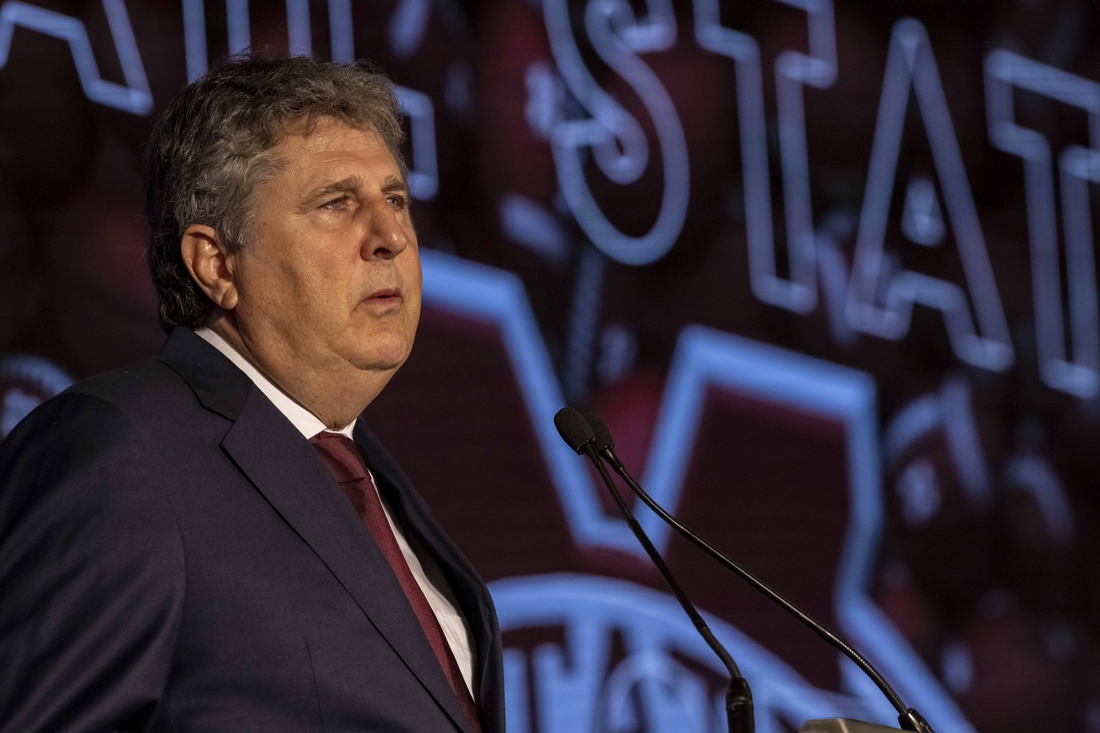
(316,132)
(328,156)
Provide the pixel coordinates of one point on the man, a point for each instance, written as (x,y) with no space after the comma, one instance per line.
(210,541)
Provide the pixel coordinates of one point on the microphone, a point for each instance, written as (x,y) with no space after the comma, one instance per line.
(577,433)
(604,446)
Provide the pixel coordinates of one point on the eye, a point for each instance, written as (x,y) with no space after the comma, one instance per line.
(337,204)
(398,201)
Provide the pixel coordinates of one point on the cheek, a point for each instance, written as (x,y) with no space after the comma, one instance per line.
(288,290)
(412,279)
(413,314)
(311,276)
(261,282)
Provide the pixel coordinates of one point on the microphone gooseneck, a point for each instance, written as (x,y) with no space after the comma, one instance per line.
(603,444)
(577,432)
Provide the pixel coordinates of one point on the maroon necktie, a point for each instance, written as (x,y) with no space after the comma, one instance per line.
(342,458)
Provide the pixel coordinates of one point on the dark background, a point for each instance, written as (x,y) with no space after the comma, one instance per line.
(989,565)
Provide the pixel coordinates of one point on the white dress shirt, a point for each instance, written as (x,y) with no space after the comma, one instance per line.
(424,568)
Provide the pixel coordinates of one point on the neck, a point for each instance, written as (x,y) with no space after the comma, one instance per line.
(334,391)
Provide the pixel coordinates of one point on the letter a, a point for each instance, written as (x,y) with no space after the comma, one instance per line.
(882,303)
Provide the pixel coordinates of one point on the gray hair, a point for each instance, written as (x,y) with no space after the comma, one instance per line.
(211,149)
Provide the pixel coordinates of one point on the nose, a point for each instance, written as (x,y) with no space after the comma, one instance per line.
(388,234)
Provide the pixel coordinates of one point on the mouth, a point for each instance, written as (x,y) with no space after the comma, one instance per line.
(383,297)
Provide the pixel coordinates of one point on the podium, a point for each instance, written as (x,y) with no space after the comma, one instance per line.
(843,725)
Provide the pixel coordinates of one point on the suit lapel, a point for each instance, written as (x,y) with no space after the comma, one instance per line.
(470,589)
(283,467)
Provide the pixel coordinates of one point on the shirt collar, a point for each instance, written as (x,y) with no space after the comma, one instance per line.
(307,423)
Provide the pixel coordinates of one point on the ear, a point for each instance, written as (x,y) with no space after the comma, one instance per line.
(210,264)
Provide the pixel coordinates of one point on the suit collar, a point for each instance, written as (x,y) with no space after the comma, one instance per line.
(218,385)
(305,421)
(216,381)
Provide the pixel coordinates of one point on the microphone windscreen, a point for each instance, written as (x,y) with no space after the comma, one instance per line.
(601,431)
(573,428)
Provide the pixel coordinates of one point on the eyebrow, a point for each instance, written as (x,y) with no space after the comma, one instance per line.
(344,185)
(395,184)
(351,183)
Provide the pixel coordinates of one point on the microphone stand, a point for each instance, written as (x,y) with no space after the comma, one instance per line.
(739,707)
(908,718)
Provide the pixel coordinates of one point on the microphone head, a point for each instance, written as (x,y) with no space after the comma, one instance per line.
(600,430)
(573,428)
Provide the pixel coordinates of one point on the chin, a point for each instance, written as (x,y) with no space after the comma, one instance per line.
(381,356)
(378,347)
(376,363)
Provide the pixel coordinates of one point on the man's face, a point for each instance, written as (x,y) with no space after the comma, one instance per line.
(333,276)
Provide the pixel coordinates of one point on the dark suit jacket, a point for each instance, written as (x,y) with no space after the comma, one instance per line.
(175,557)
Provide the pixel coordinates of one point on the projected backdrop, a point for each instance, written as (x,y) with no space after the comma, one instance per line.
(826,268)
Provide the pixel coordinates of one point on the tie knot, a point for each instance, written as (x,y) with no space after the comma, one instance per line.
(340,455)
